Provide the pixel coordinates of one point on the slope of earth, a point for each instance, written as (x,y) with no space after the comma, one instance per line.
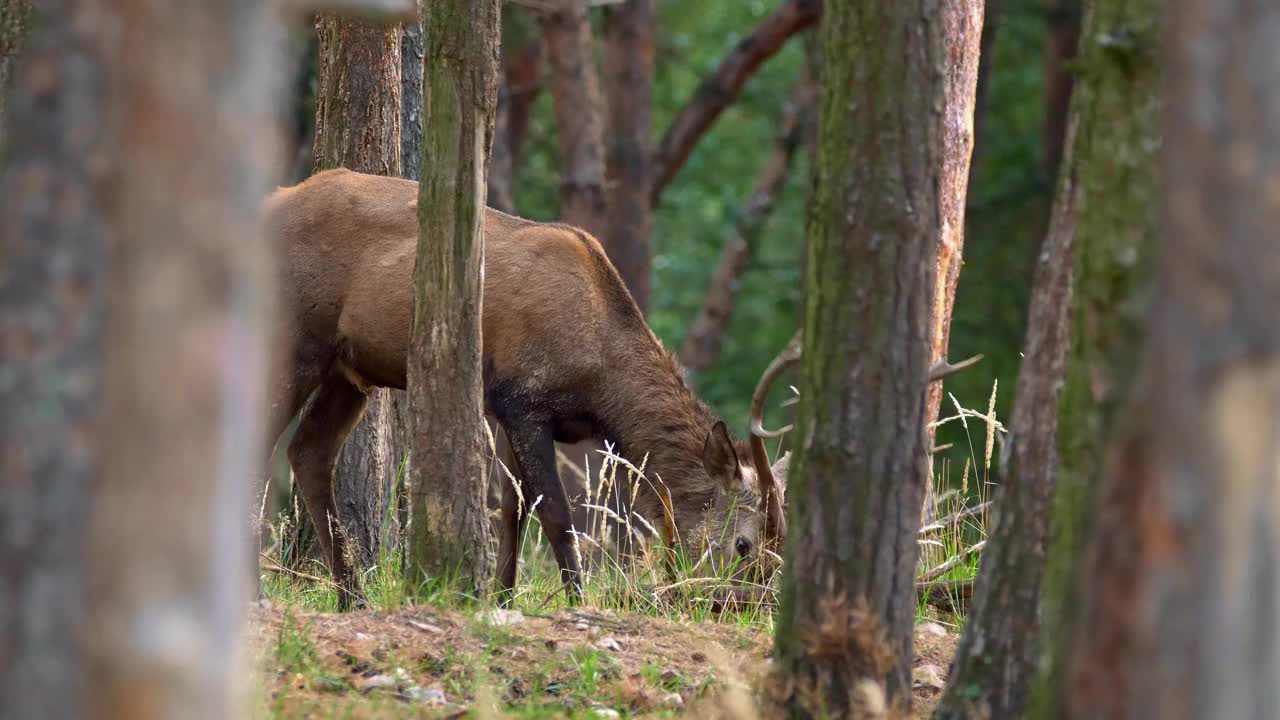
(569,663)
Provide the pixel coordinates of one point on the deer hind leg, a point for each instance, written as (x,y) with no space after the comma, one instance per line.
(515,515)
(534,450)
(336,408)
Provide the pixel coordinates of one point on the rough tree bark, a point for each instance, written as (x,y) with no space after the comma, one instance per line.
(575,89)
(13,31)
(721,88)
(701,347)
(629,30)
(1179,576)
(53,245)
(848,596)
(188,318)
(1060,50)
(1114,163)
(962,20)
(358,127)
(995,664)
(449,537)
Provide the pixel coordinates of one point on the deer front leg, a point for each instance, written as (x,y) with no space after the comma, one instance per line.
(533,446)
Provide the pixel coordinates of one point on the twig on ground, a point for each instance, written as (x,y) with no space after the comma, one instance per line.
(952,562)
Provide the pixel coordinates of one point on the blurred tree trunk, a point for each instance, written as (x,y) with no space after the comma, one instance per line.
(701,348)
(54,237)
(1113,161)
(13,32)
(358,127)
(190,305)
(1060,50)
(963,28)
(1178,576)
(986,60)
(575,89)
(995,664)
(629,30)
(523,78)
(848,596)
(721,88)
(449,536)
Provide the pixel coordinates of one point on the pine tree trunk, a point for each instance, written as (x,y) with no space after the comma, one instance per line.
(629,30)
(189,311)
(962,20)
(848,597)
(995,664)
(1178,577)
(991,19)
(575,89)
(13,32)
(1114,165)
(358,127)
(54,237)
(1060,50)
(701,348)
(449,535)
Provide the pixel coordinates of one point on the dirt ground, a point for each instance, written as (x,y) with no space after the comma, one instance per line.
(569,663)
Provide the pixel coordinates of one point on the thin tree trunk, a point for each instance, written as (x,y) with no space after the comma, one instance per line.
(986,60)
(1060,50)
(575,89)
(500,181)
(1113,160)
(523,78)
(190,307)
(701,348)
(53,245)
(721,88)
(358,127)
(963,28)
(1179,577)
(449,536)
(629,46)
(848,595)
(13,32)
(995,664)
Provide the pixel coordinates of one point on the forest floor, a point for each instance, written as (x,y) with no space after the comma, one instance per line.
(586,663)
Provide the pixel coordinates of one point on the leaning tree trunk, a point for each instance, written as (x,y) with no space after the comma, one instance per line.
(13,31)
(358,127)
(53,244)
(848,596)
(701,347)
(629,30)
(189,310)
(1179,576)
(449,537)
(1114,165)
(575,90)
(996,661)
(1060,51)
(962,21)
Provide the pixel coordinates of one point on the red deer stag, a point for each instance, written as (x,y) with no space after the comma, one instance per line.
(567,355)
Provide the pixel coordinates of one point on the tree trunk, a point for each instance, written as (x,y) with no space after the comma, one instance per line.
(1179,576)
(701,348)
(358,127)
(190,305)
(523,79)
(575,90)
(13,31)
(986,59)
(721,88)
(1114,164)
(1060,50)
(629,30)
(449,536)
(53,244)
(994,666)
(963,28)
(848,596)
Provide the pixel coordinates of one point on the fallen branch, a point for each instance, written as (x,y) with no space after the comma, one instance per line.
(952,562)
(275,567)
(957,517)
(946,595)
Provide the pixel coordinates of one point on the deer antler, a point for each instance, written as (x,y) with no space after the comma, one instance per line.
(776,518)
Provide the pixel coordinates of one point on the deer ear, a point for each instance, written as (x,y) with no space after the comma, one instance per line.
(718,456)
